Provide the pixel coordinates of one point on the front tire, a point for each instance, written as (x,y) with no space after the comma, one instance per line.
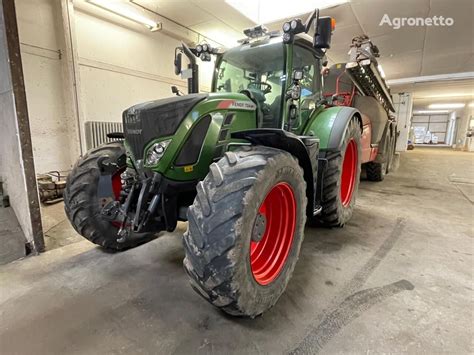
(83,201)
(245,230)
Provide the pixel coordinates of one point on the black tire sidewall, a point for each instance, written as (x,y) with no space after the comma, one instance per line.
(82,199)
(255,298)
(221,221)
(352,133)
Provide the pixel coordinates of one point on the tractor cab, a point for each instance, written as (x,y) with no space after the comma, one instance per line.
(282,79)
(259,72)
(280,73)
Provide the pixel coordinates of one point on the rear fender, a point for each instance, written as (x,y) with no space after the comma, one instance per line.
(329,126)
(305,149)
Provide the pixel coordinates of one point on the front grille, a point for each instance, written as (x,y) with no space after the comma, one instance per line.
(160,118)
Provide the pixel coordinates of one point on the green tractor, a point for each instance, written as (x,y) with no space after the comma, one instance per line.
(278,142)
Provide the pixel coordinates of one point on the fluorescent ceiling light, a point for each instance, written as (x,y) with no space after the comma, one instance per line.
(429,112)
(124,9)
(431,78)
(454,94)
(268,11)
(444,106)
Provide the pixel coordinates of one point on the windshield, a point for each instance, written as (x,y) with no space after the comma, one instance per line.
(258,71)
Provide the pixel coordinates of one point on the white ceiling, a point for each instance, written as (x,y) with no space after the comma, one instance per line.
(406,52)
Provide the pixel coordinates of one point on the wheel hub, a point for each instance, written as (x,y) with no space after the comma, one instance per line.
(272,234)
(259,227)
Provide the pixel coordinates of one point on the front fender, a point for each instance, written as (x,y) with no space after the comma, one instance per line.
(329,126)
(305,149)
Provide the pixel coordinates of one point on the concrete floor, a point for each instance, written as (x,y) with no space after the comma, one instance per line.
(398,278)
(12,239)
(58,232)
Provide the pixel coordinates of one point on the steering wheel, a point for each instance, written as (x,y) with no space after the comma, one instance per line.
(258,85)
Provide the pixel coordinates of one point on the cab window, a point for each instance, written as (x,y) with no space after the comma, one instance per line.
(305,60)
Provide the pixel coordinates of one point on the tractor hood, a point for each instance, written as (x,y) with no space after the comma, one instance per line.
(154,119)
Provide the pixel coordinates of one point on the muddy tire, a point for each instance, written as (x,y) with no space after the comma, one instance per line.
(376,171)
(341,179)
(245,230)
(82,203)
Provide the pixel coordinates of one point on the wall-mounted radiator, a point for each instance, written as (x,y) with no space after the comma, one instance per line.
(96,132)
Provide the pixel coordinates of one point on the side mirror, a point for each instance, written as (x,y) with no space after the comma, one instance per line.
(177,63)
(323,33)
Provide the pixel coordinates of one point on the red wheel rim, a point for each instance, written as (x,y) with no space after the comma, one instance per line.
(117,183)
(349,172)
(269,254)
(117,189)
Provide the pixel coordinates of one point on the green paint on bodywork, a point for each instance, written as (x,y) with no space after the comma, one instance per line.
(244,119)
(320,125)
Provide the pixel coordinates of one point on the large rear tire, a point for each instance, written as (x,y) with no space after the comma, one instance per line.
(245,230)
(83,202)
(341,179)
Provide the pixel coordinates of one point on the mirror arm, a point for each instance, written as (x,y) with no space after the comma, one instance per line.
(188,53)
(314,16)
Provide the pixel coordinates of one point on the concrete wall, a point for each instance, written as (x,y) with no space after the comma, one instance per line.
(42,65)
(462,123)
(120,67)
(11,160)
(119,64)
(403,103)
(451,128)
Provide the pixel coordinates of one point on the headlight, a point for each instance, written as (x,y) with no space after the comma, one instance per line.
(155,152)
(287,37)
(286,27)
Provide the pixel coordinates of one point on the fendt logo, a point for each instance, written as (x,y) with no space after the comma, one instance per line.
(399,22)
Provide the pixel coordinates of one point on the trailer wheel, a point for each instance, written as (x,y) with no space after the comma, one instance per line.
(245,230)
(391,153)
(376,171)
(341,179)
(83,201)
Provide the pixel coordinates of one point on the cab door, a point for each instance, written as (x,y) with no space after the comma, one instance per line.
(304,59)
